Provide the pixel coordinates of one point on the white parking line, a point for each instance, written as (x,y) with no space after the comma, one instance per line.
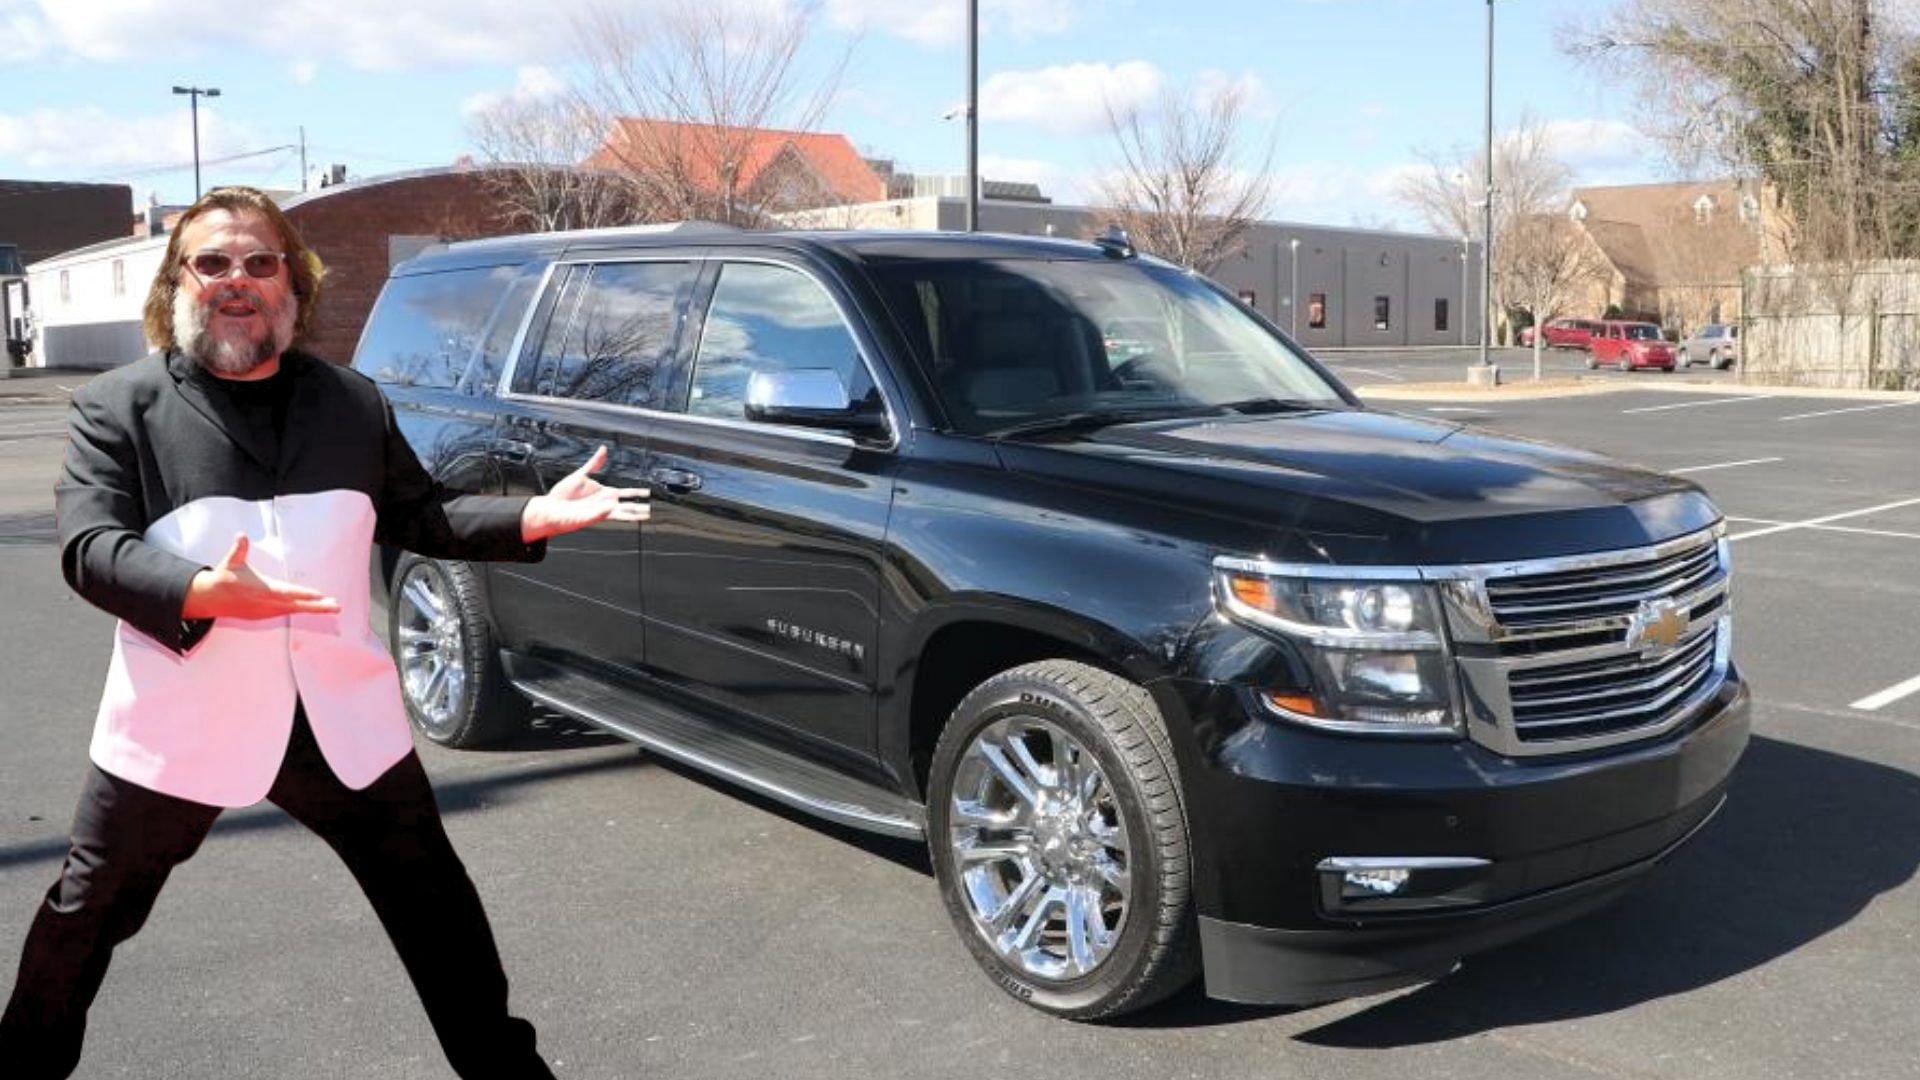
(1856,408)
(1888,696)
(1452,409)
(1788,526)
(1697,404)
(1377,374)
(1727,465)
(1889,533)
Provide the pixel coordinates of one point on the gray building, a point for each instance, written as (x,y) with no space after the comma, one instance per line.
(1329,287)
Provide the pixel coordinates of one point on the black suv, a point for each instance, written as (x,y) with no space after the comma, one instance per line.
(1181,659)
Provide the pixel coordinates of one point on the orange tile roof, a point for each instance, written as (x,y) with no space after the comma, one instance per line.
(700,149)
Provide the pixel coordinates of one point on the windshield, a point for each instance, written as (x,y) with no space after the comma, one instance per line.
(1018,341)
(1643,332)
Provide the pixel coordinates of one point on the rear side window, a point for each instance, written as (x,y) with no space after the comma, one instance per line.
(426,329)
(621,336)
(769,318)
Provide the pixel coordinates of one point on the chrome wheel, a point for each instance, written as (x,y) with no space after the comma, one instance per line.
(431,648)
(1040,848)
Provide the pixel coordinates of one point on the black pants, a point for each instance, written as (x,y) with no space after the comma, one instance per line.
(127,839)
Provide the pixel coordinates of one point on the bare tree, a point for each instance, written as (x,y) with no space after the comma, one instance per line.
(1550,267)
(1178,191)
(533,148)
(700,78)
(1819,99)
(1529,181)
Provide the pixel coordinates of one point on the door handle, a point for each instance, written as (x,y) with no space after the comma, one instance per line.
(515,452)
(675,480)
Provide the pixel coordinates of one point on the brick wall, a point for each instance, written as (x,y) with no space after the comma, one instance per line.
(350,227)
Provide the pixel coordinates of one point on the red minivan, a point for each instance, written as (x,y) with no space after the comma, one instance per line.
(1564,333)
(1630,345)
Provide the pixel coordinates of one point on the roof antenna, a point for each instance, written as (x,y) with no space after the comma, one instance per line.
(1115,242)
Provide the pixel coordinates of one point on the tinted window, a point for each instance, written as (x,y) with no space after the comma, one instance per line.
(425,328)
(483,372)
(769,318)
(620,336)
(1643,332)
(1015,341)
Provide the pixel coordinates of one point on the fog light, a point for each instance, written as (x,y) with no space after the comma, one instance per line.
(1382,882)
(1359,884)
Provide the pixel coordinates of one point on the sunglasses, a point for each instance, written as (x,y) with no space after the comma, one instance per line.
(215,265)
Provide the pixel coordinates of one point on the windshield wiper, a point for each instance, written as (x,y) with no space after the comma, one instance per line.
(1091,420)
(1262,406)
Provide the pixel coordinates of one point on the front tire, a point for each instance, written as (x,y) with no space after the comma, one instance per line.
(1058,836)
(450,677)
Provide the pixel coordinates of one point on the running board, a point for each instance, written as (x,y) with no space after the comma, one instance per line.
(681,735)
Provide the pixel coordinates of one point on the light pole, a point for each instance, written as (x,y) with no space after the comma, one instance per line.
(195,93)
(973,115)
(1465,257)
(1486,219)
(1293,285)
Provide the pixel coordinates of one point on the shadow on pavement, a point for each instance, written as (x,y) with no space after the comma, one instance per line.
(454,797)
(1806,842)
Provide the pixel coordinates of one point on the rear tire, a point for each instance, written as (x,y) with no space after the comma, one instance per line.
(1058,835)
(455,691)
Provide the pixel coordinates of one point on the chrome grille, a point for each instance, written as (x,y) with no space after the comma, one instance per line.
(1544,649)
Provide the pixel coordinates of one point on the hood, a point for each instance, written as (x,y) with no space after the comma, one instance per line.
(1372,482)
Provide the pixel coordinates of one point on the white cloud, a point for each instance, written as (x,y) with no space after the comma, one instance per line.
(1071,98)
(304,72)
(368,34)
(1588,145)
(531,83)
(90,141)
(944,22)
(1332,193)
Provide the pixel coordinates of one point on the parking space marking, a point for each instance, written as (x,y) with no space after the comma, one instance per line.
(1888,696)
(1729,465)
(1376,374)
(1453,409)
(1856,408)
(1697,404)
(1889,533)
(1791,525)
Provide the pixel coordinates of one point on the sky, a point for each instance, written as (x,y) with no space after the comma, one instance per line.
(1352,93)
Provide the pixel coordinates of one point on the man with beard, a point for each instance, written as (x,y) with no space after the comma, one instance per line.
(221,497)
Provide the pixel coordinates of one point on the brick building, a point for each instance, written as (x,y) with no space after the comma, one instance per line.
(86,303)
(361,228)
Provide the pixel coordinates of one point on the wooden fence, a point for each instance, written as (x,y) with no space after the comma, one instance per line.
(1851,328)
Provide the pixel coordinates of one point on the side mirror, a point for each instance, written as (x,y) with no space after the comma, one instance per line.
(811,398)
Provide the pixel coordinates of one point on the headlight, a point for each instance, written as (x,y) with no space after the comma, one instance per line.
(1370,636)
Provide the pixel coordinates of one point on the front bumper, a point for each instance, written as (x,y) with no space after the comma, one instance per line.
(1561,837)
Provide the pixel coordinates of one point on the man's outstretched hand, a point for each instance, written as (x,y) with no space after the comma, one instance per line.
(232,590)
(579,501)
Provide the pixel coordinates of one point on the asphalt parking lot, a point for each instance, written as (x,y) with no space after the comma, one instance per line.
(656,923)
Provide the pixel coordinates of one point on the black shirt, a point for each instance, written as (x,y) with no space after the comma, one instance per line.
(261,403)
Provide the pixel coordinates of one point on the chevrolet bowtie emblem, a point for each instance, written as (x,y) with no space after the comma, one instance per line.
(1657,626)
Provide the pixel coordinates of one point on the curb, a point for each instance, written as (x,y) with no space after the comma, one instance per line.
(1581,387)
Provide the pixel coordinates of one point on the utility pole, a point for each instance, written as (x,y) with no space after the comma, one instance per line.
(303,158)
(195,93)
(973,115)
(1487,373)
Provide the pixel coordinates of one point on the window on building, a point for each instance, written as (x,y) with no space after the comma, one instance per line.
(1382,312)
(1440,313)
(66,288)
(1247,297)
(1317,311)
(1703,209)
(119,277)
(769,318)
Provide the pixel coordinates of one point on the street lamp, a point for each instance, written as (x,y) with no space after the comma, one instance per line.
(1465,258)
(1293,285)
(1486,219)
(973,115)
(196,93)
